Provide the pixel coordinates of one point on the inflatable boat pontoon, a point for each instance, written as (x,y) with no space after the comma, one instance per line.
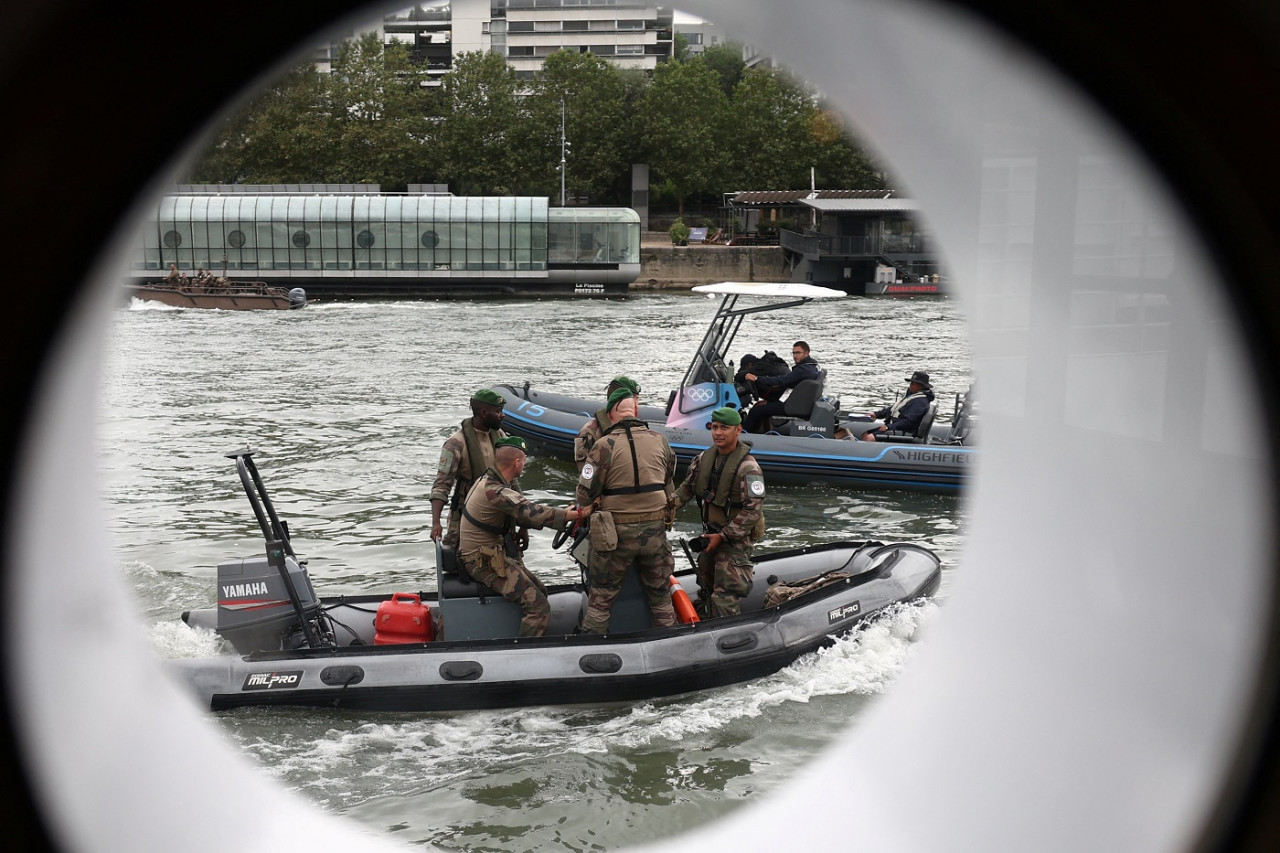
(456,648)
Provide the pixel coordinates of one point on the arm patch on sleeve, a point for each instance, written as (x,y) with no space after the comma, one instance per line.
(755,486)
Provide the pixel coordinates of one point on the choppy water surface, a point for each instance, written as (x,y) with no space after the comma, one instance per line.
(347,405)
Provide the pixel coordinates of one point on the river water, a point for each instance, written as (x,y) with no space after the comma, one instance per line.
(346,405)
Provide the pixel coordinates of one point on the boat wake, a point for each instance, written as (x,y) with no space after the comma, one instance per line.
(347,762)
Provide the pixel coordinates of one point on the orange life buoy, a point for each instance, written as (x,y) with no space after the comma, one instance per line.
(680,601)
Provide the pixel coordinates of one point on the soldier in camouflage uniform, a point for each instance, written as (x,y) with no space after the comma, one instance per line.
(465,456)
(628,475)
(594,428)
(487,546)
(728,485)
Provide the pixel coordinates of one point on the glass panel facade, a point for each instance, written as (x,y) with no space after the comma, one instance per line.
(382,232)
(587,235)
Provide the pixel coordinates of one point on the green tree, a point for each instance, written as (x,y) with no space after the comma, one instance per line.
(278,137)
(838,161)
(594,115)
(478,126)
(771,142)
(726,60)
(683,117)
(680,47)
(375,106)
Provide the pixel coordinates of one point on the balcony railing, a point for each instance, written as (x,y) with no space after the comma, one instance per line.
(814,245)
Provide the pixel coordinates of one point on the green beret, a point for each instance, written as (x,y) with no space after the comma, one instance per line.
(623,382)
(489,397)
(726,415)
(618,395)
(511,441)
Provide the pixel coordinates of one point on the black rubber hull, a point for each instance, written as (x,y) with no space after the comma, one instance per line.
(571,668)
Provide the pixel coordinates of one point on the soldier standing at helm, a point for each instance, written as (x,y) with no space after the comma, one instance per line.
(466,455)
(728,485)
(493,509)
(628,476)
(594,428)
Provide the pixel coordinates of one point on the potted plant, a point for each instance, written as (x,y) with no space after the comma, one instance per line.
(679,233)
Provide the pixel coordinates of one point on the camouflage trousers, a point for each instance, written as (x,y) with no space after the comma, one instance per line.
(508,577)
(645,545)
(725,575)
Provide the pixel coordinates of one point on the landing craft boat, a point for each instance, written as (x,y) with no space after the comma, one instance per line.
(801,447)
(456,648)
(224,295)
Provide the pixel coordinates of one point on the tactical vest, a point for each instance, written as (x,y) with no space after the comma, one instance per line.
(483,523)
(718,506)
(479,458)
(636,481)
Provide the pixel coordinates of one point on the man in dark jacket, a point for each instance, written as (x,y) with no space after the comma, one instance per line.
(905,415)
(771,388)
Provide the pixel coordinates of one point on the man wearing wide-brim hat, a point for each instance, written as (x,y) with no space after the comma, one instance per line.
(728,485)
(466,455)
(904,416)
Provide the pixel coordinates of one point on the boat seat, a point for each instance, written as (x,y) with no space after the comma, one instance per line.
(630,611)
(471,610)
(921,435)
(800,402)
(805,411)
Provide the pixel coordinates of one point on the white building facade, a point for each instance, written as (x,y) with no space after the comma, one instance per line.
(626,33)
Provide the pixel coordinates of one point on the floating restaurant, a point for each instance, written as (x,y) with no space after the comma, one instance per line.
(351,242)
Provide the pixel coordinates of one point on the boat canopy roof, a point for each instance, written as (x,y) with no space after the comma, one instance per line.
(709,361)
(769,288)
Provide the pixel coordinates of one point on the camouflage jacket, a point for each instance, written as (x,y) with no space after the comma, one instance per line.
(455,464)
(494,507)
(623,482)
(746,499)
(588,436)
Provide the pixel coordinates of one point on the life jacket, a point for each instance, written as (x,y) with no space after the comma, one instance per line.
(895,411)
(718,506)
(639,487)
(479,458)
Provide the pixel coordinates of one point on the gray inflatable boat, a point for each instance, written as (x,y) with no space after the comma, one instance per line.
(455,647)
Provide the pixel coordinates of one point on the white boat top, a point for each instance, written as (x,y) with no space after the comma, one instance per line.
(789,289)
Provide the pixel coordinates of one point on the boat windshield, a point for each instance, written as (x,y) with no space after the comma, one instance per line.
(708,364)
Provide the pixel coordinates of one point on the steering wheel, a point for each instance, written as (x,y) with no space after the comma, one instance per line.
(562,535)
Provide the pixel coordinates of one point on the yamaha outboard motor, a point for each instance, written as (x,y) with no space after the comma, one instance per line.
(297,297)
(255,608)
(262,600)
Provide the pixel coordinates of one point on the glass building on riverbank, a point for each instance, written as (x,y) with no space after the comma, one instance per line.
(372,244)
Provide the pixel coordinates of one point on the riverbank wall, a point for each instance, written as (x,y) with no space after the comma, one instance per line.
(667,267)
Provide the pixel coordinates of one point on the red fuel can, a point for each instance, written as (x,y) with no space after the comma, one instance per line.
(403,619)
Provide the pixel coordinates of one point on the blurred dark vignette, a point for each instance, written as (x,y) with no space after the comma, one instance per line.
(97,98)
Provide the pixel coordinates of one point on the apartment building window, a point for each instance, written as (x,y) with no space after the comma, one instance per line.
(520,26)
(519,51)
(630,50)
(546,26)
(603,25)
(630,25)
